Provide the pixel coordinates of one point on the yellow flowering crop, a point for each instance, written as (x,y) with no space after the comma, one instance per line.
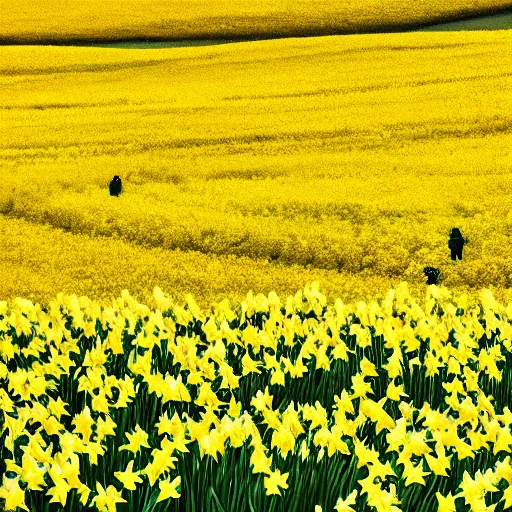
(57,20)
(323,165)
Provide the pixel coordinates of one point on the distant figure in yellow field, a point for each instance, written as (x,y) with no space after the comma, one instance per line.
(115,186)
(432,274)
(456,243)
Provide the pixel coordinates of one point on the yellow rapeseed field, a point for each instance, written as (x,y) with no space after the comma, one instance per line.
(67,20)
(37,262)
(338,158)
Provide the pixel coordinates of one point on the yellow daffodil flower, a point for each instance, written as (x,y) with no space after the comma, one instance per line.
(441,463)
(234,408)
(106,499)
(128,478)
(138,439)
(284,440)
(446,503)
(414,474)
(169,489)
(344,505)
(13,495)
(262,400)
(83,424)
(274,481)
(59,493)
(260,462)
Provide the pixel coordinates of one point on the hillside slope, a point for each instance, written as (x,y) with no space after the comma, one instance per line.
(352,154)
(48,21)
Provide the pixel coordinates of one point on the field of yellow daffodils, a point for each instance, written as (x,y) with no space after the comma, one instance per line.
(291,404)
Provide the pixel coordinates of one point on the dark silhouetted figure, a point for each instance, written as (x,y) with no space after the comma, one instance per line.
(456,243)
(432,274)
(115,186)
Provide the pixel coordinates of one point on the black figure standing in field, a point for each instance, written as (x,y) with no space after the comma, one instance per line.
(432,274)
(115,186)
(456,243)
